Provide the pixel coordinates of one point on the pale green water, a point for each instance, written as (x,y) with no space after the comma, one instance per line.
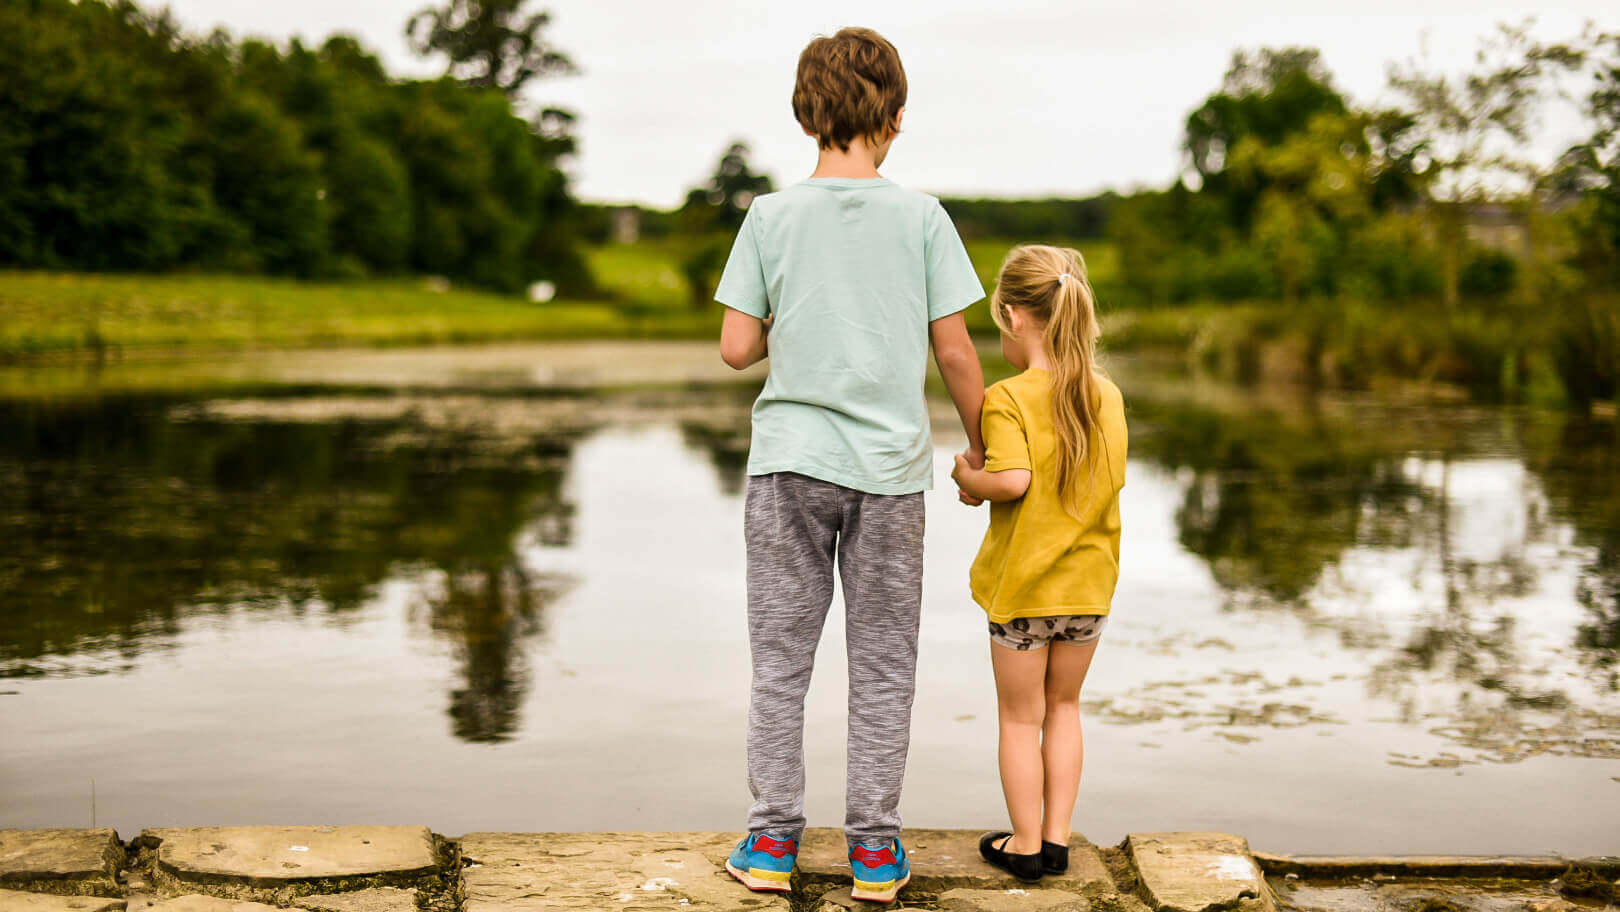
(445,595)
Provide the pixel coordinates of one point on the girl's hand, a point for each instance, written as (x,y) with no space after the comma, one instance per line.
(964,466)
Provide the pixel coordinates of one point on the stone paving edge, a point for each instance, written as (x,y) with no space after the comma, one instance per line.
(1511,867)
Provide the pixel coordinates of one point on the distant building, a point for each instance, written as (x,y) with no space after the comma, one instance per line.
(1505,227)
(626,225)
(1500,227)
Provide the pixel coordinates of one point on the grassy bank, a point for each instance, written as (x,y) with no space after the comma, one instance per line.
(1568,355)
(1564,354)
(46,315)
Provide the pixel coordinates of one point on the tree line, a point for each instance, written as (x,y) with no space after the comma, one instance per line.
(126,144)
(1296,192)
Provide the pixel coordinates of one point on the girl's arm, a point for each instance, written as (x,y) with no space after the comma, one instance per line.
(996,487)
(742,339)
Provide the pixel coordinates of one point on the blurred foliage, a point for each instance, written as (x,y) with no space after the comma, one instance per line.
(710,218)
(127,145)
(1418,243)
(1476,129)
(1035,220)
(491,44)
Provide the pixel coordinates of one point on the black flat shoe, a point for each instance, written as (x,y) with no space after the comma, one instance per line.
(1026,868)
(1054,857)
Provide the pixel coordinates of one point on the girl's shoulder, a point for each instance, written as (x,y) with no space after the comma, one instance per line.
(1109,390)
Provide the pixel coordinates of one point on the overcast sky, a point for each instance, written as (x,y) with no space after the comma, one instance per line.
(1008,98)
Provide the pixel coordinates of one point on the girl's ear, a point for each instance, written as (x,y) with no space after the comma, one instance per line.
(1016,320)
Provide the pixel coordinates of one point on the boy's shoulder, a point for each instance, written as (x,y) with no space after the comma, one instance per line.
(809,192)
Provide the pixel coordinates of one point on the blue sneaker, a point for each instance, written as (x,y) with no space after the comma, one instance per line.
(879,875)
(763,863)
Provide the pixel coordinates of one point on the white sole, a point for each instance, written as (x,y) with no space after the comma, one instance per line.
(760,884)
(887,895)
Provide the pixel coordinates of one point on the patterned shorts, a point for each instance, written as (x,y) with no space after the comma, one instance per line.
(1037,632)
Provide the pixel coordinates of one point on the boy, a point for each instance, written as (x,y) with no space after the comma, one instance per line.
(852,278)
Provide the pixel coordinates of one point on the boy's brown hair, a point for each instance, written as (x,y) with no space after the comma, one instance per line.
(849,85)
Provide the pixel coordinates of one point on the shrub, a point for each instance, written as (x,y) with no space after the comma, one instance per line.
(1488,273)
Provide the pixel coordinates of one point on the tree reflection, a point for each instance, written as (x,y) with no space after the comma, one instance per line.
(1578,461)
(487,613)
(1274,500)
(120,524)
(727,449)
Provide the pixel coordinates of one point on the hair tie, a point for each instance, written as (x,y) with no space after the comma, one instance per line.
(1063,278)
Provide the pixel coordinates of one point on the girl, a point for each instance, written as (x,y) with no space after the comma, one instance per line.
(1054,464)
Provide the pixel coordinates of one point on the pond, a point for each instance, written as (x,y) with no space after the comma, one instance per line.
(503,590)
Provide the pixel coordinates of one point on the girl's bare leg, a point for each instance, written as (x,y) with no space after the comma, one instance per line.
(1063,749)
(1021,706)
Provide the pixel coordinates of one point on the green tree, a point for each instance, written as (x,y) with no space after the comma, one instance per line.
(1317,189)
(491,44)
(712,213)
(1266,96)
(1592,167)
(89,139)
(730,189)
(265,179)
(1476,128)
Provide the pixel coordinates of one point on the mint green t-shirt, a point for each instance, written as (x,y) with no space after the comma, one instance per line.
(851,271)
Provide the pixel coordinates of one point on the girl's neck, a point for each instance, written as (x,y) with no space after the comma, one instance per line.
(857,162)
(1037,360)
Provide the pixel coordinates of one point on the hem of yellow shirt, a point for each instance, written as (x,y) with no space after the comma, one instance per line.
(1043,612)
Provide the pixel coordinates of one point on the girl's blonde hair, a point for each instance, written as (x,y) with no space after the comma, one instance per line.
(1050,283)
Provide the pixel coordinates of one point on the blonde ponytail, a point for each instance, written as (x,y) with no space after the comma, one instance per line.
(1051,283)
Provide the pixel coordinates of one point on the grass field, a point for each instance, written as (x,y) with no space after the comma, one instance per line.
(45,314)
(62,313)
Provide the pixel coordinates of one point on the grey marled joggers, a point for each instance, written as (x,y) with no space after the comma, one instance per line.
(794,526)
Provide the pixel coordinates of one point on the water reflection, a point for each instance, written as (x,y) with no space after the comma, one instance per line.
(1421,536)
(1470,556)
(123,524)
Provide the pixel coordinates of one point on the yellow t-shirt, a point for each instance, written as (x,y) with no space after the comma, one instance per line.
(1037,559)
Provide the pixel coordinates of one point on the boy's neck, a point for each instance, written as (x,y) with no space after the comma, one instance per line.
(858,161)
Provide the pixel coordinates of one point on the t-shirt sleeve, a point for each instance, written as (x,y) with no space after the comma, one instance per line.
(1005,444)
(742,284)
(952,283)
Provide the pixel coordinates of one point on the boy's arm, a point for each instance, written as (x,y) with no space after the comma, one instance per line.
(996,487)
(742,339)
(958,364)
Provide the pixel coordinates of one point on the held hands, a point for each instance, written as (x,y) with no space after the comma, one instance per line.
(967,462)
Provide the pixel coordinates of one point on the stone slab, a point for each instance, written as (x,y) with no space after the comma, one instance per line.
(376,899)
(636,872)
(193,902)
(31,856)
(947,859)
(1013,899)
(19,901)
(1333,867)
(1197,872)
(274,856)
